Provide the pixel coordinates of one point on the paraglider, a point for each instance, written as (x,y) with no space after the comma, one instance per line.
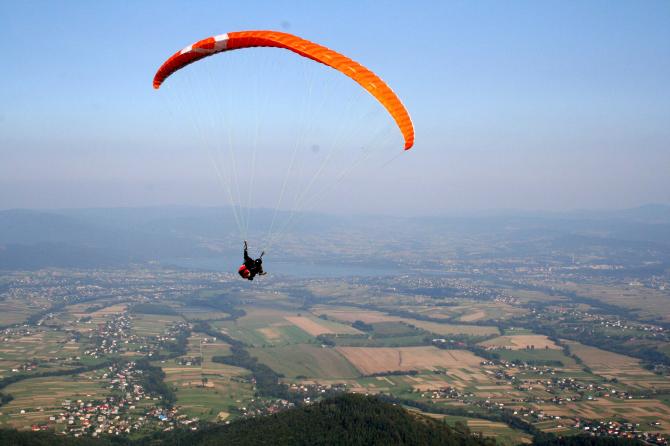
(250,268)
(318,53)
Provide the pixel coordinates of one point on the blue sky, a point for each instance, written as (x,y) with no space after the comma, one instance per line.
(516,104)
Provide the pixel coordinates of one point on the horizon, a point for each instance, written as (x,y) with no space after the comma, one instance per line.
(493,212)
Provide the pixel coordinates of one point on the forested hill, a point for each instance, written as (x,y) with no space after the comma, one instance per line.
(345,420)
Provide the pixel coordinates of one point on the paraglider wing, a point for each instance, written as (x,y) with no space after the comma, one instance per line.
(249,39)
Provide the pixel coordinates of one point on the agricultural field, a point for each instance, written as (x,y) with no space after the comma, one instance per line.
(279,333)
(539,356)
(38,344)
(371,317)
(353,314)
(14,311)
(152,324)
(263,326)
(613,365)
(642,411)
(40,398)
(206,389)
(426,385)
(208,393)
(200,313)
(503,434)
(412,340)
(526,296)
(317,326)
(648,303)
(520,342)
(637,411)
(105,312)
(475,315)
(217,399)
(472,311)
(453,329)
(394,329)
(369,360)
(306,361)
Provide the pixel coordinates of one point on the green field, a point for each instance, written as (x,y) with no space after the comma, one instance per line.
(516,331)
(42,344)
(394,329)
(152,324)
(261,336)
(216,396)
(306,360)
(538,355)
(393,341)
(200,313)
(334,326)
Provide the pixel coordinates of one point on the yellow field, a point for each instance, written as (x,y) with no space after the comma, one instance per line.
(352,315)
(474,316)
(319,327)
(270,333)
(520,342)
(370,360)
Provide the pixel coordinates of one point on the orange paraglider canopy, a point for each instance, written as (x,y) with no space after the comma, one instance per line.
(249,39)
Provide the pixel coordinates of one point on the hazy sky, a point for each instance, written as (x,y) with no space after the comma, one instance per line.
(531,105)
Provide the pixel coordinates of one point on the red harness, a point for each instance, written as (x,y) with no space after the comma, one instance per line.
(244,271)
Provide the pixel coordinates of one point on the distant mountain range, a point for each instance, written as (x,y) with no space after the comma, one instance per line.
(32,239)
(113,237)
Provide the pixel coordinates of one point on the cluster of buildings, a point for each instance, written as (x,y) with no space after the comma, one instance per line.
(583,391)
(168,419)
(116,336)
(189,361)
(446,393)
(622,430)
(129,408)
(310,391)
(109,416)
(259,407)
(611,322)
(17,332)
(111,336)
